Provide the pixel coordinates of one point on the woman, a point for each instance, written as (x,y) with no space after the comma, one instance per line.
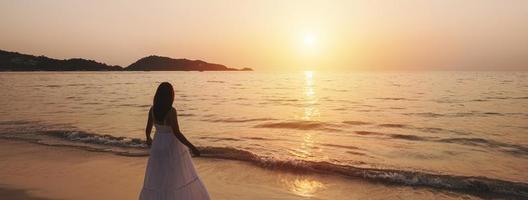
(170,173)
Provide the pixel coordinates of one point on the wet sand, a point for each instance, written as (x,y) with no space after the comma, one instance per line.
(18,194)
(39,172)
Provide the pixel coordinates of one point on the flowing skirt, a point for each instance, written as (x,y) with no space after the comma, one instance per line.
(170,172)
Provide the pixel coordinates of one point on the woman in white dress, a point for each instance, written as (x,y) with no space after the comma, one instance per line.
(170,172)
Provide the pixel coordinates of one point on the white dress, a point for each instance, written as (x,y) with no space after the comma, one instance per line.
(170,172)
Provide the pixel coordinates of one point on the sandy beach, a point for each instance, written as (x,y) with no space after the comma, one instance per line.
(38,172)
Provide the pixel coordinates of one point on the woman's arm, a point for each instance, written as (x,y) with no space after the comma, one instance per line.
(176,130)
(148,129)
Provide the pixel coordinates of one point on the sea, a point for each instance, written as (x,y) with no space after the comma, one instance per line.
(452,130)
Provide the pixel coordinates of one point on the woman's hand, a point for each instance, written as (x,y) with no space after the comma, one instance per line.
(195,151)
(149,142)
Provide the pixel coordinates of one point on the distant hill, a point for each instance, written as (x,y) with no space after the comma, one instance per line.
(159,63)
(13,61)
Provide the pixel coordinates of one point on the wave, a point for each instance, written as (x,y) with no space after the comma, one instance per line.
(395,99)
(186,114)
(356,123)
(215,81)
(368,133)
(219,139)
(464,114)
(15,122)
(91,138)
(341,146)
(423,129)
(300,125)
(514,149)
(408,137)
(393,125)
(232,120)
(125,146)
(425,114)
(263,139)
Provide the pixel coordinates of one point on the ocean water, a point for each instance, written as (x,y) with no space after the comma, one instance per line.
(446,130)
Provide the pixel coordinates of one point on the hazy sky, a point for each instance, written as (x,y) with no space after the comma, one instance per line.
(267,34)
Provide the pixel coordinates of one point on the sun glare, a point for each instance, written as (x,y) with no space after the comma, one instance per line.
(309,40)
(309,46)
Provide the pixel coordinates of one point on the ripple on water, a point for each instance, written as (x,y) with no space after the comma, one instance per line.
(393,125)
(356,122)
(300,125)
(233,120)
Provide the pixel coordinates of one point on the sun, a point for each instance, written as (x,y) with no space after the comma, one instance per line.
(309,46)
(309,40)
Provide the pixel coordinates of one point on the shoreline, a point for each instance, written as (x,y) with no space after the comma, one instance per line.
(48,172)
(133,147)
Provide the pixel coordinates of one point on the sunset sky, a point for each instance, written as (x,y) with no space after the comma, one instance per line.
(276,35)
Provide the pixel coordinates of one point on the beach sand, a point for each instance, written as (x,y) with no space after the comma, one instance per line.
(39,172)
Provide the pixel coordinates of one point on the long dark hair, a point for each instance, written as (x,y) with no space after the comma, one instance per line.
(163,100)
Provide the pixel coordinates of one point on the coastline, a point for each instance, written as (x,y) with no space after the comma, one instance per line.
(39,172)
(14,61)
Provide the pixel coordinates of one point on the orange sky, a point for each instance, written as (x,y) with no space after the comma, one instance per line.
(270,35)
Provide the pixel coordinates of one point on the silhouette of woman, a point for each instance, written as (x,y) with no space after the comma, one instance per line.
(170,172)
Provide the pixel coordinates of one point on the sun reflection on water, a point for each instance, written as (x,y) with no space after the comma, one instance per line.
(305,150)
(310,99)
(302,186)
